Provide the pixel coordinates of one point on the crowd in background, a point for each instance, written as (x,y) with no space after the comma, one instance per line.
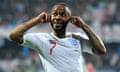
(101,15)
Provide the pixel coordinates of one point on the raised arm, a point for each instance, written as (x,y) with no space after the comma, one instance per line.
(97,43)
(17,33)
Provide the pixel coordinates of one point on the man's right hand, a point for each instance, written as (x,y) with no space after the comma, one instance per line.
(17,33)
(43,17)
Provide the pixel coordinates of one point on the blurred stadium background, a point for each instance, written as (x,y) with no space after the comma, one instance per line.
(102,15)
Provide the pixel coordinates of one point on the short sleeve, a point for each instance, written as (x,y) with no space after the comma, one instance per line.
(85,42)
(29,40)
(86,46)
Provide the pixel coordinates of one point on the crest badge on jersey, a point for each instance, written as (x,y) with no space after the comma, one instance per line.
(74,42)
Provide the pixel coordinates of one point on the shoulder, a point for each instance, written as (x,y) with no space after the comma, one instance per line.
(82,35)
(38,34)
(79,35)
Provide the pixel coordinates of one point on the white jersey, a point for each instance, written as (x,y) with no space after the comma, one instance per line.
(58,54)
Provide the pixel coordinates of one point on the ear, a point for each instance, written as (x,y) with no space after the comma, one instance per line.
(49,18)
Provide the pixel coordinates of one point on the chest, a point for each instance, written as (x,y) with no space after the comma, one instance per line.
(63,47)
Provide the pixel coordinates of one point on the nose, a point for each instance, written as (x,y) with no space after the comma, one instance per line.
(58,16)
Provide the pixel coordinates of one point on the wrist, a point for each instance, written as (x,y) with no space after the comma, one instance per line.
(83,25)
(37,20)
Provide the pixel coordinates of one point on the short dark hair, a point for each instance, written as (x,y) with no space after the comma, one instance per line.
(65,5)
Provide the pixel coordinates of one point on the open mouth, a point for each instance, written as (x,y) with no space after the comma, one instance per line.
(57,25)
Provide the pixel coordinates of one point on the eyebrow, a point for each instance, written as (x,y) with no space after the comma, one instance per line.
(65,12)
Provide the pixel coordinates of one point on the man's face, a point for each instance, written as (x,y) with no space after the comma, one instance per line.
(59,17)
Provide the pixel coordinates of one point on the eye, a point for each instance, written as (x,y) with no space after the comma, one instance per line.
(63,14)
(55,14)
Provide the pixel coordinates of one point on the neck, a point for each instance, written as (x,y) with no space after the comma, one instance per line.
(60,34)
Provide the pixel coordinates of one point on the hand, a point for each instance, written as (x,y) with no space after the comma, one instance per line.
(43,17)
(76,20)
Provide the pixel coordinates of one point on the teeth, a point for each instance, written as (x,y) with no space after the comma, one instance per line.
(55,20)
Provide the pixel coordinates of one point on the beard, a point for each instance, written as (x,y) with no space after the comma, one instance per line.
(59,25)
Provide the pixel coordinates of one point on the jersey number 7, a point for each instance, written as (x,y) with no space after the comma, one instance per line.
(51,49)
